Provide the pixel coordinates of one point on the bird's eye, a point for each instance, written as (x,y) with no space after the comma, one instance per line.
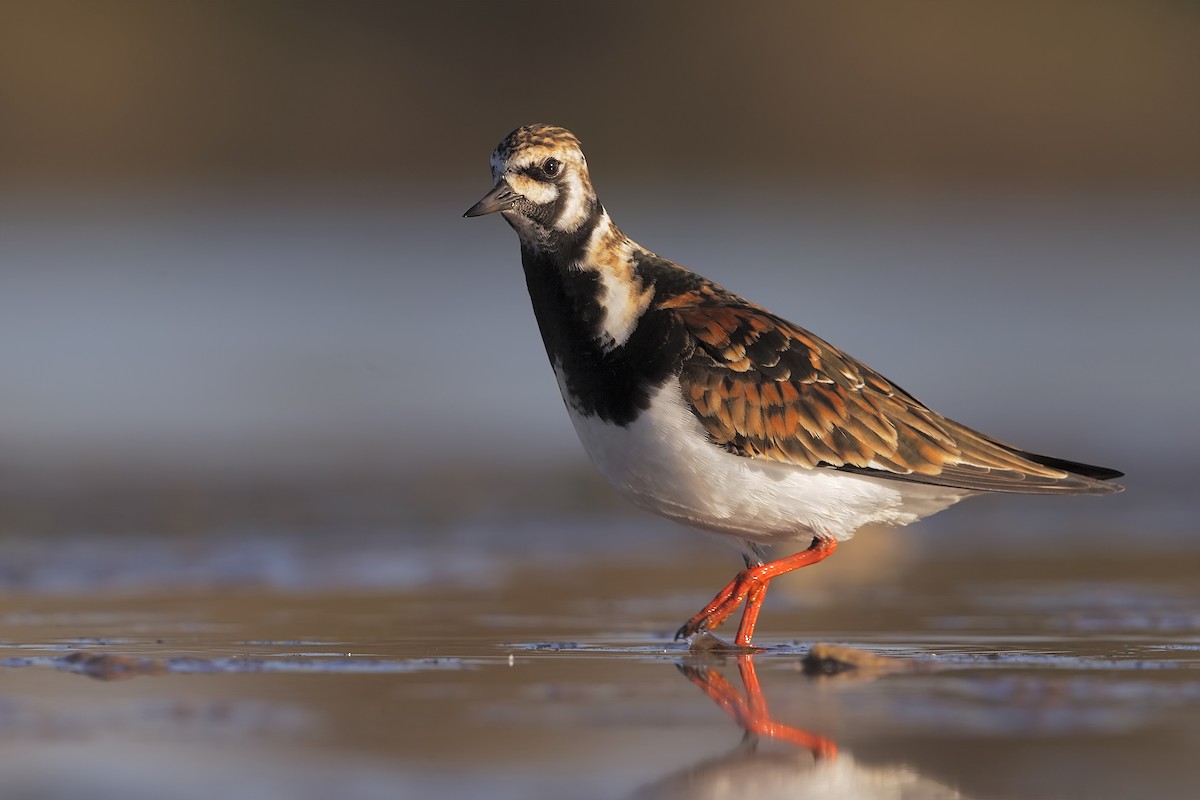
(550,167)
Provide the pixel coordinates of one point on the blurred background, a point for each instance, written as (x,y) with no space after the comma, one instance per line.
(235,284)
(267,400)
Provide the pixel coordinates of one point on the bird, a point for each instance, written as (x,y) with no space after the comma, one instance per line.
(706,408)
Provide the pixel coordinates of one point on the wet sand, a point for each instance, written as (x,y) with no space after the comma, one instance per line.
(552,673)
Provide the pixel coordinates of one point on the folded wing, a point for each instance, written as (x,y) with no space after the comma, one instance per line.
(765,388)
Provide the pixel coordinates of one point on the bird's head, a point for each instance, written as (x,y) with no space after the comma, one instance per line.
(541,184)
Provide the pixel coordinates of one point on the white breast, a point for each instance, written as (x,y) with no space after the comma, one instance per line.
(665,462)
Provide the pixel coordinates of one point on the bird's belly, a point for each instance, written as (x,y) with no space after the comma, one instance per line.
(664,461)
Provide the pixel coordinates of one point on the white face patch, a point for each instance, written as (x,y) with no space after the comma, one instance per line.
(575,207)
(535,191)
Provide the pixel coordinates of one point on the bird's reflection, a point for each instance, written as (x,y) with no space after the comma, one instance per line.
(750,710)
(807,765)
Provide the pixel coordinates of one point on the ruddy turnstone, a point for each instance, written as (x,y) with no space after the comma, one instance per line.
(708,409)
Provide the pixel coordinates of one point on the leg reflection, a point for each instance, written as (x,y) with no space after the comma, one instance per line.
(750,712)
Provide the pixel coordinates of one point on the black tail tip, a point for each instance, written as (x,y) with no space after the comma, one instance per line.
(1075,467)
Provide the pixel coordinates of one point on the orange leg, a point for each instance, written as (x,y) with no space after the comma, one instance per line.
(750,585)
(751,713)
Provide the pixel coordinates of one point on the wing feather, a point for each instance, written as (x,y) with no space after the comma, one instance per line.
(765,388)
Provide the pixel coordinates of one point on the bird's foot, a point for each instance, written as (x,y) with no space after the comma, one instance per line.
(750,586)
(743,585)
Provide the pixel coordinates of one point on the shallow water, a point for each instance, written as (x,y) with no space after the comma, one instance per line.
(1052,673)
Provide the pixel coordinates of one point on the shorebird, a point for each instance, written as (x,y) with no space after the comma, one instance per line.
(708,409)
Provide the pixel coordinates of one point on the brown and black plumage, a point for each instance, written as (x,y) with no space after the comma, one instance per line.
(765,388)
(708,409)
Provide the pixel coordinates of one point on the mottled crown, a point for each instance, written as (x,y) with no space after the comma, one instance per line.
(537,135)
(531,143)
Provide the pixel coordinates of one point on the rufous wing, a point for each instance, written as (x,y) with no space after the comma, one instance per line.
(765,388)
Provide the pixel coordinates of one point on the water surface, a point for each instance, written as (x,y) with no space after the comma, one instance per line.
(322,671)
